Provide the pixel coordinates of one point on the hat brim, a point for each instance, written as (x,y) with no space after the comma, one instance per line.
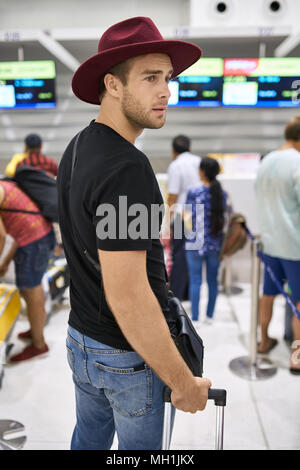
(85,82)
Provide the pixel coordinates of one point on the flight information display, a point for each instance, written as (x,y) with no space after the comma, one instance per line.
(28,84)
(263,82)
(199,85)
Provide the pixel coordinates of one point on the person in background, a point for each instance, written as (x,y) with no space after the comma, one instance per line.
(33,243)
(278,210)
(182,175)
(209,231)
(32,156)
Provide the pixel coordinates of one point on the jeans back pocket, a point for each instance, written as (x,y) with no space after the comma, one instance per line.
(129,390)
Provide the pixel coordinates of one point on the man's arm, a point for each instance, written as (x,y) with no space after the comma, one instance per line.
(10,170)
(141,320)
(172,200)
(174,184)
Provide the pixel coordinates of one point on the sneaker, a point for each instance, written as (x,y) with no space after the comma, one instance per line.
(25,335)
(208,321)
(30,352)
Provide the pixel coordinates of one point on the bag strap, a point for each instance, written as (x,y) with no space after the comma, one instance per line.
(85,251)
(17,210)
(74,154)
(20,210)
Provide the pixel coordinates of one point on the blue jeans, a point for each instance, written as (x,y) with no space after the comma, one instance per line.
(284,270)
(115,392)
(31,261)
(195,262)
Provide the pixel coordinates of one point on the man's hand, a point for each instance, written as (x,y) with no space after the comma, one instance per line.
(193,397)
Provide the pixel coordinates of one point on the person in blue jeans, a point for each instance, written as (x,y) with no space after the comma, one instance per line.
(117,390)
(205,244)
(119,345)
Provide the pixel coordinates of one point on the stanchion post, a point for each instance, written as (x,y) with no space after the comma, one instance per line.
(251,367)
(227,276)
(228,288)
(255,280)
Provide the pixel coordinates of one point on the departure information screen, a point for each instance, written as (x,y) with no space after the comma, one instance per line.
(28,84)
(199,85)
(265,82)
(261,82)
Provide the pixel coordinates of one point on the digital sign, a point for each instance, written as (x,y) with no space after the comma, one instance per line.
(264,82)
(28,84)
(270,82)
(199,85)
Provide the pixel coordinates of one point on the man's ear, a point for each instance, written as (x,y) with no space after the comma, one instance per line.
(113,85)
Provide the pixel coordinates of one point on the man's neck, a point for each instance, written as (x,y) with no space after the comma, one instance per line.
(176,155)
(115,119)
(289,144)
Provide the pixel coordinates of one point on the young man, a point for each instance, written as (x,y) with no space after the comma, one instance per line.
(119,346)
(183,174)
(32,156)
(278,207)
(33,243)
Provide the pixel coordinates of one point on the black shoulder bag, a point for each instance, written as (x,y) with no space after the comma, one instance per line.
(185,337)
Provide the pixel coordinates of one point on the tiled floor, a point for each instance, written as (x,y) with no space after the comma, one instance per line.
(259,415)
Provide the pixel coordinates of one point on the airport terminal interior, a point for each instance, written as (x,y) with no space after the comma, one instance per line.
(233,105)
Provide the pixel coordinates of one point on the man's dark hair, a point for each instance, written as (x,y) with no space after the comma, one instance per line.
(292,129)
(181,143)
(33,141)
(120,70)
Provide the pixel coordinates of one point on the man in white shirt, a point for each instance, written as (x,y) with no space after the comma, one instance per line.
(278,210)
(183,174)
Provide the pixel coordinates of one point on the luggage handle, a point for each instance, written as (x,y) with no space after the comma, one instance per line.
(216,394)
(219,397)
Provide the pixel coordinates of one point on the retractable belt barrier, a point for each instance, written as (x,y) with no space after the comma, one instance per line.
(261,255)
(253,367)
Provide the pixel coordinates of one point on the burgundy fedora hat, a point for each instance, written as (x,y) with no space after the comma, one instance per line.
(129,38)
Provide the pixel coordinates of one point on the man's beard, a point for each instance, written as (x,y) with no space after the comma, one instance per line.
(136,114)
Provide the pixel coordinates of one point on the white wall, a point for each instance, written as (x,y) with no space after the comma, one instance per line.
(45,15)
(241,13)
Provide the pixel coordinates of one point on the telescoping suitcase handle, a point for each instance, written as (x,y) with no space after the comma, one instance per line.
(218,395)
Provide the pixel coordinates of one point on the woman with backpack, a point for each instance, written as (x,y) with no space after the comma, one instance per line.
(207,216)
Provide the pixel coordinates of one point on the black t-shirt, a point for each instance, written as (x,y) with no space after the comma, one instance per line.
(109,172)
